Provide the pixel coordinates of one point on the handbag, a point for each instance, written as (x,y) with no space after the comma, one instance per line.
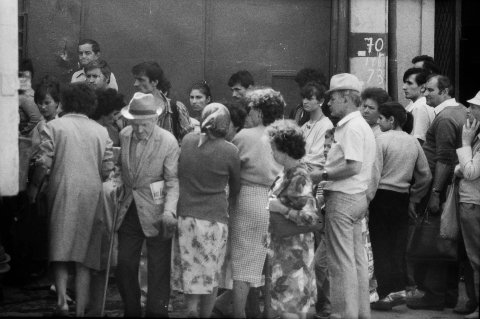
(426,244)
(283,227)
(449,221)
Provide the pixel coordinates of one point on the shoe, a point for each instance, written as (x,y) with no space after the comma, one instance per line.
(414,294)
(59,312)
(387,303)
(473,315)
(422,304)
(465,309)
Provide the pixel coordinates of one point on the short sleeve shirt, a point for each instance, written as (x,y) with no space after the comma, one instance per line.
(353,140)
(80,76)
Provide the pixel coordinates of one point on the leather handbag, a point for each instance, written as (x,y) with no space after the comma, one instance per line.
(449,221)
(426,244)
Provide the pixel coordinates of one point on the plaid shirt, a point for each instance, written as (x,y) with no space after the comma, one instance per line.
(165,120)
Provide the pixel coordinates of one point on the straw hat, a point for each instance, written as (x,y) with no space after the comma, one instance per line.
(345,81)
(142,106)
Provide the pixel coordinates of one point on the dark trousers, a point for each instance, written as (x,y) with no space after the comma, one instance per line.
(388,226)
(130,241)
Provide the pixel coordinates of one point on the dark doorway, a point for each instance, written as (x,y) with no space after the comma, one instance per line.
(469,51)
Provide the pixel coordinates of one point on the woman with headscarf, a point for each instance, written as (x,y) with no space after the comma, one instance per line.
(249,218)
(78,154)
(207,163)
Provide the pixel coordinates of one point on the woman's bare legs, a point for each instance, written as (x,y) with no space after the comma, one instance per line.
(207,302)
(82,288)
(60,271)
(192,305)
(240,293)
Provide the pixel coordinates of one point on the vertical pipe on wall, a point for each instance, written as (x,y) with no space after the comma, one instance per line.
(392,50)
(458,34)
(205,42)
(339,37)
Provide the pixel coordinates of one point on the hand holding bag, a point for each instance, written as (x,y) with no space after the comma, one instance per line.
(283,227)
(426,244)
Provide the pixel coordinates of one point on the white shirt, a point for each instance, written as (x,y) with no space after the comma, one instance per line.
(353,140)
(440,107)
(314,133)
(80,76)
(423,116)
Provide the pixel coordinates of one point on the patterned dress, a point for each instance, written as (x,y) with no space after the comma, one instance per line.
(293,276)
(198,255)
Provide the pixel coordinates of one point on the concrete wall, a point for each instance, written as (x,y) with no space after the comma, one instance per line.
(415,26)
(9,117)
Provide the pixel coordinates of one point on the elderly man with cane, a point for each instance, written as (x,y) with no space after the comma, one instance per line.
(147,211)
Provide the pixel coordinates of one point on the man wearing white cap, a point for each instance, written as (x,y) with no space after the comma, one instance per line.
(347,169)
(148,210)
(468,170)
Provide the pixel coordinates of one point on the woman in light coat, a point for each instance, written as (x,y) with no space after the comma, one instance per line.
(77,152)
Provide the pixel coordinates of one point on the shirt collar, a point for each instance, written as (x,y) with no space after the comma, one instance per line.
(450,102)
(420,101)
(135,138)
(81,72)
(349,117)
(159,95)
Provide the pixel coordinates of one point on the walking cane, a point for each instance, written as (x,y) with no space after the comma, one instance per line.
(267,303)
(117,193)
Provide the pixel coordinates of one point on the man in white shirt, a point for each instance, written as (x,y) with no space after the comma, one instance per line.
(88,51)
(348,169)
(414,80)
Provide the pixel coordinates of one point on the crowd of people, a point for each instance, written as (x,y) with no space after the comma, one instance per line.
(232,196)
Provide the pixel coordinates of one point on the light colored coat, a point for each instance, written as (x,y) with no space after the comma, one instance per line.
(79,154)
(158,162)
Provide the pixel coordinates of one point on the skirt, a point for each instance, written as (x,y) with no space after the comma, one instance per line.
(293,277)
(249,232)
(199,248)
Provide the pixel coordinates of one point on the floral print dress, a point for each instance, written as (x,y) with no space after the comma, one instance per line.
(293,277)
(198,254)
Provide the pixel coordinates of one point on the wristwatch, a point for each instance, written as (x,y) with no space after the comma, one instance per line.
(325,175)
(435,190)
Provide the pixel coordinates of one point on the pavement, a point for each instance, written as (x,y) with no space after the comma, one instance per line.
(36,300)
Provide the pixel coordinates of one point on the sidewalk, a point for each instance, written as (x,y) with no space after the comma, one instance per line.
(38,301)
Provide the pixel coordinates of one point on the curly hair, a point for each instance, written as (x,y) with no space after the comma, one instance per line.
(312,89)
(310,75)
(268,101)
(287,137)
(79,98)
(377,94)
(108,101)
